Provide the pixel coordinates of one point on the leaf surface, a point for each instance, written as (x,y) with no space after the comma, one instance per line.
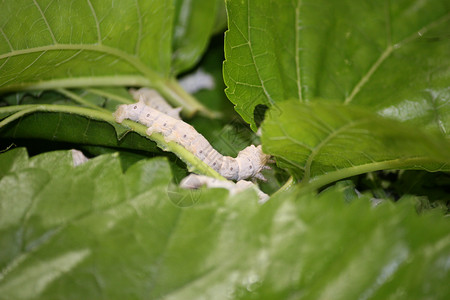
(121,237)
(321,142)
(87,41)
(194,24)
(47,45)
(391,57)
(70,124)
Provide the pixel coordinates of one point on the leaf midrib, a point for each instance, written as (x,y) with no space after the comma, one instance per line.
(398,163)
(387,53)
(316,150)
(250,47)
(297,52)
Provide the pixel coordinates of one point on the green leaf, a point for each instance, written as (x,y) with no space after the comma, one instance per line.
(50,41)
(390,56)
(37,97)
(194,23)
(221,18)
(68,124)
(212,64)
(92,232)
(321,143)
(47,45)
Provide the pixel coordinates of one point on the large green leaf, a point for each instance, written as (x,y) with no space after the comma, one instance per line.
(391,56)
(86,40)
(322,142)
(48,44)
(92,232)
(69,124)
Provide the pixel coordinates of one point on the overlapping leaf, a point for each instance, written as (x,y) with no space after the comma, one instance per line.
(391,57)
(93,231)
(322,142)
(69,124)
(194,23)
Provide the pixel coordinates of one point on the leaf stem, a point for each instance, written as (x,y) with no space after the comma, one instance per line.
(331,177)
(16,115)
(168,88)
(177,96)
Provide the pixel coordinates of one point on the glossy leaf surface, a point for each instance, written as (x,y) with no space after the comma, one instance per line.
(391,57)
(120,236)
(84,42)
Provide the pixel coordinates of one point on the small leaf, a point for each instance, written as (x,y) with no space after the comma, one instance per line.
(194,21)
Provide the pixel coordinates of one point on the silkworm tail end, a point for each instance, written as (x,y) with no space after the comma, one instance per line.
(260,177)
(150,131)
(191,182)
(120,114)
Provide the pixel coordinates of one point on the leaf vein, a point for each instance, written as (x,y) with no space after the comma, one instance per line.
(46,22)
(132,60)
(139,38)
(369,74)
(4,63)
(387,52)
(97,24)
(297,50)
(7,39)
(266,93)
(69,58)
(324,142)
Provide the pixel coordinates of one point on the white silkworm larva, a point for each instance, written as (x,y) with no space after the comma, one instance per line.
(78,157)
(194,181)
(197,81)
(153,99)
(248,163)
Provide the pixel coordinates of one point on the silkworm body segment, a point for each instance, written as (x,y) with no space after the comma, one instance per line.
(248,163)
(153,99)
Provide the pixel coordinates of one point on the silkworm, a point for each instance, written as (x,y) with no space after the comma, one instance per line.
(153,99)
(197,81)
(78,158)
(194,181)
(248,163)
